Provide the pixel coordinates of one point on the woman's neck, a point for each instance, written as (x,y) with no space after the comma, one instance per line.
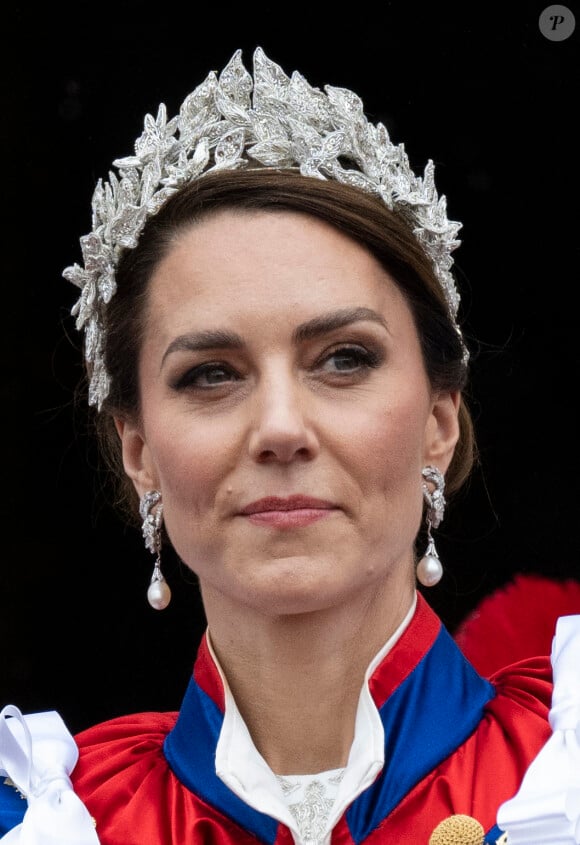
(297,679)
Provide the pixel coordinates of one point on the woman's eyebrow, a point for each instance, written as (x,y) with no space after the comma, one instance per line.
(323,324)
(204,339)
(335,320)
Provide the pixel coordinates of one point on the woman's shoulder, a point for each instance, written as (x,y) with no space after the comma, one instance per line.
(122,748)
(115,758)
(515,724)
(509,637)
(129,787)
(515,721)
(147,729)
(524,686)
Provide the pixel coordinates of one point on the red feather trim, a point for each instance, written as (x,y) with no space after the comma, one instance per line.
(516,621)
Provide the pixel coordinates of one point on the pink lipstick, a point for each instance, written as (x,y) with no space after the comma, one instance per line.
(290,512)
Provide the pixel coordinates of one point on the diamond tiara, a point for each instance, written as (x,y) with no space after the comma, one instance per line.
(233,120)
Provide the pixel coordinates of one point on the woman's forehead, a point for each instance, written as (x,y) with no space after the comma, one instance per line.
(283,254)
(267,232)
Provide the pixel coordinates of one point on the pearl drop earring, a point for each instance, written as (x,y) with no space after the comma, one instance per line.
(429,569)
(151,511)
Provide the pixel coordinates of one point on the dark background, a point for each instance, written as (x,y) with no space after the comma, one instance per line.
(484,94)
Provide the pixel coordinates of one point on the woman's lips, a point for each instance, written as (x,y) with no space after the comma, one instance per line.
(294,518)
(288,512)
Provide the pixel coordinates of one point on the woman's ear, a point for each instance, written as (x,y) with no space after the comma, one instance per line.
(137,459)
(442,430)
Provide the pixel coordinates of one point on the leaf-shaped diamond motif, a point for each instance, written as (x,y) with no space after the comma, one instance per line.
(236,82)
(230,148)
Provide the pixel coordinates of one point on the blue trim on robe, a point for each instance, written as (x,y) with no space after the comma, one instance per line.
(492,836)
(432,712)
(190,750)
(12,807)
(435,709)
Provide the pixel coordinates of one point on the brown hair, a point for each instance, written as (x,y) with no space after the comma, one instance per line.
(361,216)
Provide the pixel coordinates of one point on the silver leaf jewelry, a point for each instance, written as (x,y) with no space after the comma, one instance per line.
(151,512)
(233,120)
(429,568)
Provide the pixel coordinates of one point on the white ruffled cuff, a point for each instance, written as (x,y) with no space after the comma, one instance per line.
(55,814)
(546,809)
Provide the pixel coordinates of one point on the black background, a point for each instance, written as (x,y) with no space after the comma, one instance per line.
(480,91)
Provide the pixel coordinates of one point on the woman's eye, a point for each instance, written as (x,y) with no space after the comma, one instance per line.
(348,358)
(205,376)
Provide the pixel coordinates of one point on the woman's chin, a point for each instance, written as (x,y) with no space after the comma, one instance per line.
(294,586)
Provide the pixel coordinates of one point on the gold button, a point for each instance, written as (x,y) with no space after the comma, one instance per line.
(458,830)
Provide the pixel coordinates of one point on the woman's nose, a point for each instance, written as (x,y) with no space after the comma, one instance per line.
(282,420)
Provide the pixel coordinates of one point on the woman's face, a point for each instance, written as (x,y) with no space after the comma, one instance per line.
(279,358)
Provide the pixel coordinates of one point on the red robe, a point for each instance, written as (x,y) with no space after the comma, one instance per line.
(455,743)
